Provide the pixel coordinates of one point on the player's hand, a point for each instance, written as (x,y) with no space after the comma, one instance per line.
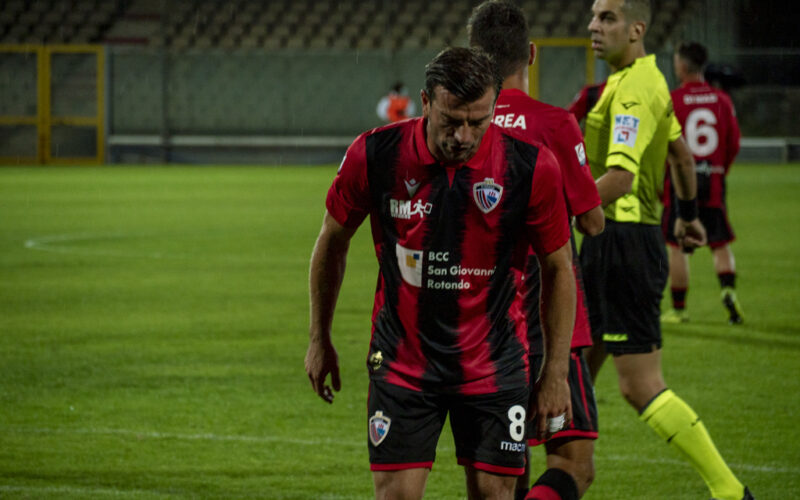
(551,398)
(690,234)
(321,360)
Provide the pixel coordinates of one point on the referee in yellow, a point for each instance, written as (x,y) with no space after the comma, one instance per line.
(630,132)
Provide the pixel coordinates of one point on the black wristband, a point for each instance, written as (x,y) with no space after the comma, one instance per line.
(687,209)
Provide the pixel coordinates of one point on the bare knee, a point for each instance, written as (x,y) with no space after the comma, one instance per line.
(400,485)
(487,486)
(575,457)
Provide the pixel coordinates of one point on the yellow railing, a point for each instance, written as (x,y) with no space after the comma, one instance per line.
(45,120)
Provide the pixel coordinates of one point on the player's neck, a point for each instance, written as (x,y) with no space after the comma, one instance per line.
(518,80)
(693,78)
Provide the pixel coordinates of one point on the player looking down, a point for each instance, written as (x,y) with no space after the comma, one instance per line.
(454,204)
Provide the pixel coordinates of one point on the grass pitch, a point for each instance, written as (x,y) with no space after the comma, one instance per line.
(153,324)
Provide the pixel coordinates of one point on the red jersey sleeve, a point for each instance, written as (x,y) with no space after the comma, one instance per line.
(579,186)
(734,134)
(348,199)
(547,221)
(578,105)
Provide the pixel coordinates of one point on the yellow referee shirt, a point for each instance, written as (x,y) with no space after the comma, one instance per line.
(630,128)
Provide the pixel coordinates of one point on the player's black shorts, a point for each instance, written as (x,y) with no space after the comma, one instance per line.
(625,270)
(715,220)
(584,406)
(404,426)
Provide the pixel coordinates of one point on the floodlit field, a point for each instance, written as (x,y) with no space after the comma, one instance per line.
(153,324)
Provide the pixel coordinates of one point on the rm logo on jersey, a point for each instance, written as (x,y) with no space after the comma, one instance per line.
(378,427)
(487,194)
(626,127)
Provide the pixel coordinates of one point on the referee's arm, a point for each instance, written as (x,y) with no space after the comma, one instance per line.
(614,184)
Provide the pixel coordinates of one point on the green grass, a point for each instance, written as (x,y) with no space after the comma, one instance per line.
(153,324)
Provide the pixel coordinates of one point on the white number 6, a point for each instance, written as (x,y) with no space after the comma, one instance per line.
(700,125)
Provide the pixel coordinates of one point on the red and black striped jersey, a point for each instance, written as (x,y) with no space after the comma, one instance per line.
(711,130)
(557,129)
(447,238)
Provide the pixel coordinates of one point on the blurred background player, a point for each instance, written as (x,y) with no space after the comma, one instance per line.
(585,100)
(712,133)
(396,105)
(630,133)
(500,29)
(446,343)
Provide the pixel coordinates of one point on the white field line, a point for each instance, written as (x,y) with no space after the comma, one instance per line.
(58,243)
(88,492)
(353,444)
(75,490)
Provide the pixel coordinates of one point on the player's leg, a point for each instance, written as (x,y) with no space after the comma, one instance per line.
(642,384)
(570,466)
(408,484)
(725,266)
(403,429)
(489,433)
(678,285)
(594,268)
(595,355)
(720,236)
(482,485)
(575,457)
(678,270)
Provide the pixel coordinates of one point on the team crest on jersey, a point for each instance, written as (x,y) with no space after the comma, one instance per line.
(378,427)
(487,194)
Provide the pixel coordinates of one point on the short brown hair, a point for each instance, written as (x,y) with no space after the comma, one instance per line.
(500,28)
(465,73)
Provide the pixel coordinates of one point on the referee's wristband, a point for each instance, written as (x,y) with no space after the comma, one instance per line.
(687,209)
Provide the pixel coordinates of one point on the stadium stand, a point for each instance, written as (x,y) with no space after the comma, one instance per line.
(284,24)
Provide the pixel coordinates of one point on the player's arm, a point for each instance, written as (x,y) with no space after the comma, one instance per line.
(579,186)
(548,233)
(689,232)
(591,223)
(325,279)
(616,182)
(558,319)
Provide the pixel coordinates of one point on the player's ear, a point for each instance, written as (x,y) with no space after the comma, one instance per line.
(533,54)
(426,103)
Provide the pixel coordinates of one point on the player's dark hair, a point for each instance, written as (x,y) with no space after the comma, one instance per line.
(500,29)
(465,73)
(694,55)
(637,10)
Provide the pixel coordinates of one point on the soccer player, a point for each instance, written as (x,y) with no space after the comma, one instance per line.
(500,28)
(585,100)
(454,204)
(712,133)
(630,133)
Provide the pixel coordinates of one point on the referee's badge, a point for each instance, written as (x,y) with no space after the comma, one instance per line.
(378,427)
(487,194)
